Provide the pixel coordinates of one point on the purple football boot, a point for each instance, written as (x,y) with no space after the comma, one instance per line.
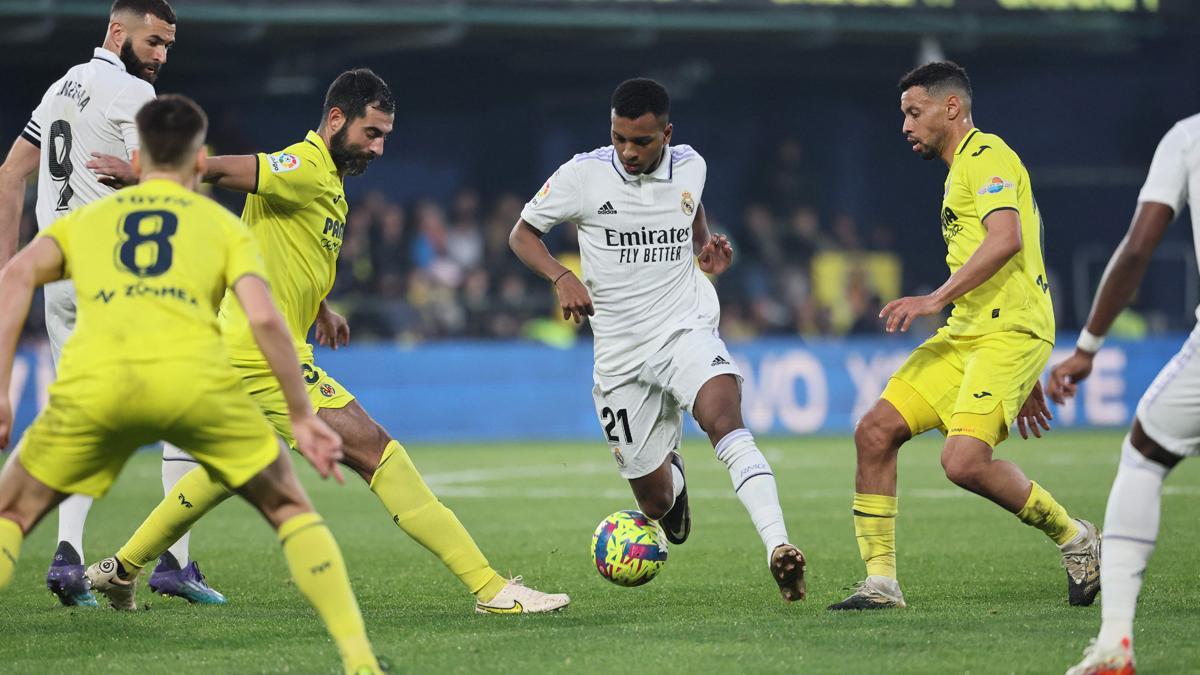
(65,578)
(187,582)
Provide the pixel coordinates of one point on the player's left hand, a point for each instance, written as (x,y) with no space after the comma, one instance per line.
(112,171)
(332,328)
(1034,413)
(900,313)
(717,255)
(6,418)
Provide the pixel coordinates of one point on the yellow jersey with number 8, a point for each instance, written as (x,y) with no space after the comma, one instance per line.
(150,264)
(987,176)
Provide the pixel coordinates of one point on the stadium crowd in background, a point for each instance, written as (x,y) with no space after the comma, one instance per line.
(424,270)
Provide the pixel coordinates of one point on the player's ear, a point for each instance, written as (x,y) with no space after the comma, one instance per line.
(116,31)
(953,107)
(202,160)
(336,120)
(135,161)
(667,130)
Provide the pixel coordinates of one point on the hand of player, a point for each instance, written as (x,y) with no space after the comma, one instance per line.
(320,445)
(1065,377)
(112,171)
(573,298)
(1034,414)
(332,328)
(716,255)
(6,419)
(900,313)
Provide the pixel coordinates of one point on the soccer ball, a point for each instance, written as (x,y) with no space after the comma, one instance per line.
(628,548)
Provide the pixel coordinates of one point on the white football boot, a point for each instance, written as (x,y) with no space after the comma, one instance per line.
(1107,660)
(121,594)
(873,593)
(517,598)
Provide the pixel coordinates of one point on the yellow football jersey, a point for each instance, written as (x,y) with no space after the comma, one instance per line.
(150,264)
(297,215)
(987,176)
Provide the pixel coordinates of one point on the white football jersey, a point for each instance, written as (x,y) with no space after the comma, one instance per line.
(90,109)
(1174,176)
(635,239)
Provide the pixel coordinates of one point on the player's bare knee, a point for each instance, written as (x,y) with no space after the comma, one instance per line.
(1149,448)
(656,506)
(24,520)
(722,424)
(877,436)
(962,471)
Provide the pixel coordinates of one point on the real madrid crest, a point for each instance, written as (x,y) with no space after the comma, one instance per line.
(686,203)
(619,457)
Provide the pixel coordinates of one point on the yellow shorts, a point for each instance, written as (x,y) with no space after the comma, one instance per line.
(95,420)
(260,383)
(971,386)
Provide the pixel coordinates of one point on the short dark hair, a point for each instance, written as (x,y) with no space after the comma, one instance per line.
(171,127)
(159,8)
(937,75)
(355,90)
(640,95)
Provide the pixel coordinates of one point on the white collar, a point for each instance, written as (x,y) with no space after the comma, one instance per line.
(664,172)
(102,54)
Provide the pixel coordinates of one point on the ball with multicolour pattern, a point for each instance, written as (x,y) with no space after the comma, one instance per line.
(628,548)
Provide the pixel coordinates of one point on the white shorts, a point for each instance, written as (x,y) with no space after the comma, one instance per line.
(60,315)
(641,414)
(1170,409)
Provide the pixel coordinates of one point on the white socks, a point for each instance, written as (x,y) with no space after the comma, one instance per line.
(175,464)
(72,515)
(755,485)
(1130,529)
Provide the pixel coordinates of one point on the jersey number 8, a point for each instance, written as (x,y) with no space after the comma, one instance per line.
(146,253)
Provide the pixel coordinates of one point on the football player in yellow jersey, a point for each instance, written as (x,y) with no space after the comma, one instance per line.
(147,294)
(296,210)
(979,373)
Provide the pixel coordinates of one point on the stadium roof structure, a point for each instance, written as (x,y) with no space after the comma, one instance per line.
(841,19)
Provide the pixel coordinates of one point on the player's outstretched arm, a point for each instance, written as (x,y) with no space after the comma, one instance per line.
(1121,278)
(319,444)
(1000,244)
(40,263)
(21,163)
(233,172)
(573,297)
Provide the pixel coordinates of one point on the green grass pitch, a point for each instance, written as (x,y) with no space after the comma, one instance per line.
(985,593)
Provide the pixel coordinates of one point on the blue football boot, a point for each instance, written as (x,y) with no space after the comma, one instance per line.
(188,583)
(65,578)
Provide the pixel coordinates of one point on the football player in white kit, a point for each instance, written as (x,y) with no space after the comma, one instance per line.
(1167,425)
(637,205)
(87,113)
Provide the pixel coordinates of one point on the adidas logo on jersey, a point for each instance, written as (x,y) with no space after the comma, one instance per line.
(720,361)
(606,210)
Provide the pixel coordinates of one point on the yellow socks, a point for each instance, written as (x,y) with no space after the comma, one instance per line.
(419,513)
(193,496)
(10,549)
(875,527)
(1047,515)
(317,568)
